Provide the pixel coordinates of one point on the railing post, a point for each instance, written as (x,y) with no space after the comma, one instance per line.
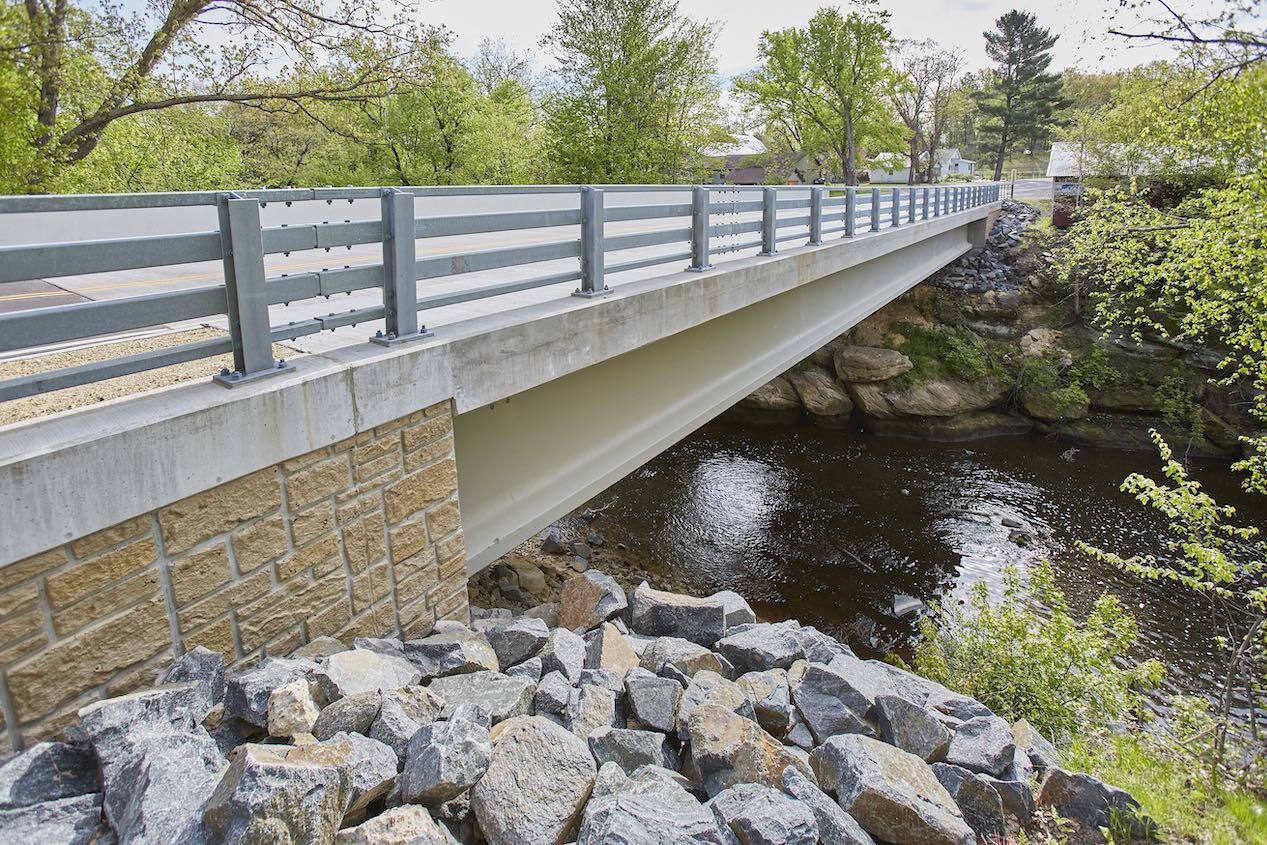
(910,209)
(242,250)
(816,216)
(700,198)
(896,212)
(769,221)
(592,283)
(400,285)
(875,209)
(924,211)
(851,210)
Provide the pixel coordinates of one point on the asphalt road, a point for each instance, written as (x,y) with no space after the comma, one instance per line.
(1037,189)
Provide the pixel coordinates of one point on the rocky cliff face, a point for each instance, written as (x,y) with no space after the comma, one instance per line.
(656,718)
(993,345)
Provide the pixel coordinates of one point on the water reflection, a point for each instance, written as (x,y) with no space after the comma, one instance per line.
(856,534)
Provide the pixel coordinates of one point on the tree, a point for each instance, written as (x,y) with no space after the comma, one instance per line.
(924,100)
(92,66)
(833,75)
(635,98)
(1022,96)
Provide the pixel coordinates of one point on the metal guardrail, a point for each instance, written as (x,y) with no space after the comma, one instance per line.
(242,243)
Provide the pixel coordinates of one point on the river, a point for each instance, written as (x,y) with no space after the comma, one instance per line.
(855,534)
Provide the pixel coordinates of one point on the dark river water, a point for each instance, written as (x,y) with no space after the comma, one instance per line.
(854,533)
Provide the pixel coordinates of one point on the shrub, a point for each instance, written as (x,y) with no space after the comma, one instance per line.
(1064,676)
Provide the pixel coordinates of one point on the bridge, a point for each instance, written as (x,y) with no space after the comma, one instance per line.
(527,346)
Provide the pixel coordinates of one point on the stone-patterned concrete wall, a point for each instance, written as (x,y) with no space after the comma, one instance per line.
(360,538)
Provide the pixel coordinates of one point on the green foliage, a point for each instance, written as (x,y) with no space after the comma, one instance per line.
(1091,368)
(637,99)
(949,352)
(1066,677)
(1019,103)
(1159,775)
(825,89)
(1179,406)
(1216,558)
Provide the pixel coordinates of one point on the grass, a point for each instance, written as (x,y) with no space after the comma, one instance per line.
(1187,809)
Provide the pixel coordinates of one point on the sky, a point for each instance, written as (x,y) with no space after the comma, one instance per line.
(1081,25)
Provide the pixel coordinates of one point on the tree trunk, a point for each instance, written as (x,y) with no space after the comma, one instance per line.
(998,161)
(914,154)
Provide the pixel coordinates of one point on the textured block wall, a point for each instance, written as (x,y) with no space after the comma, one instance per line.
(362,538)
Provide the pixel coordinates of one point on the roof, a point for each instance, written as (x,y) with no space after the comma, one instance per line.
(952,154)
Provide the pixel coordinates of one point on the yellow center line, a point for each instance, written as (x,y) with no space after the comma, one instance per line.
(324,264)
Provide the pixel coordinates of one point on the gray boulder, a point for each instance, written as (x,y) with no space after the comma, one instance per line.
(538,779)
(982,744)
(630,749)
(319,647)
(590,599)
(608,649)
(407,825)
(1042,754)
(553,696)
(48,771)
(894,795)
(759,815)
(494,693)
(657,613)
(351,714)
(760,647)
(383,645)
(246,694)
(446,758)
(75,820)
(649,808)
(651,701)
(980,803)
(401,713)
(832,704)
(738,611)
(710,688)
(592,708)
(818,647)
(685,656)
(530,669)
(563,652)
(279,793)
(360,670)
(1017,795)
(835,826)
(517,640)
(911,728)
(368,765)
(1093,804)
(727,749)
(202,666)
(454,651)
(771,697)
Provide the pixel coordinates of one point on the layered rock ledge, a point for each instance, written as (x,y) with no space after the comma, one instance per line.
(656,718)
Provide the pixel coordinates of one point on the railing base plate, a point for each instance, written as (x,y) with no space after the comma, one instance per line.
(591,294)
(394,340)
(237,379)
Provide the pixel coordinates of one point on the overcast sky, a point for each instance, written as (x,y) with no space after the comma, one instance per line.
(1081,25)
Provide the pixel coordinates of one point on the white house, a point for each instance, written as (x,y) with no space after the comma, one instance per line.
(951,163)
(894,168)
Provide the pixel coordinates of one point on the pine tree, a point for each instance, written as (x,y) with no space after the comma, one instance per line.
(1021,98)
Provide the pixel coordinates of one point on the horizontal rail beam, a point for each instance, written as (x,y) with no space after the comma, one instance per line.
(45,261)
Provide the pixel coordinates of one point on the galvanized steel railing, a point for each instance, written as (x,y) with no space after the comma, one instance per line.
(241,244)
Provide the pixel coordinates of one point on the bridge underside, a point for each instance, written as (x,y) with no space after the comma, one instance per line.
(528,459)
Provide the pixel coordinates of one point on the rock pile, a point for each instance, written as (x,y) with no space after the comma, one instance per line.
(989,268)
(658,718)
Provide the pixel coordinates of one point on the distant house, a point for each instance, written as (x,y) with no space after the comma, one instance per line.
(739,163)
(888,169)
(895,169)
(951,163)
